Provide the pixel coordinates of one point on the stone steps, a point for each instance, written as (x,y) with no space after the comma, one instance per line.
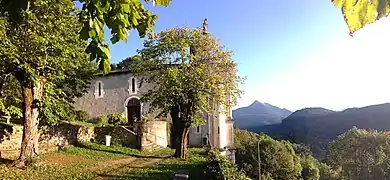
(150,146)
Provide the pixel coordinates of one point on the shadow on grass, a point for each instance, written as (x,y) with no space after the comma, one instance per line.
(6,161)
(160,172)
(116,151)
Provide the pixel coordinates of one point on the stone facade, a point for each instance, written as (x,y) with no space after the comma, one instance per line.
(113,93)
(116,93)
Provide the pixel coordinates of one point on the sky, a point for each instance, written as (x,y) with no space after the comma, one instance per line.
(293,54)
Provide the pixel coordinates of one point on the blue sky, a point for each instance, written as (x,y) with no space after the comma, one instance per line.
(280,47)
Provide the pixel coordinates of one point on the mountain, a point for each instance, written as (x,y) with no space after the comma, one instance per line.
(316,127)
(258,114)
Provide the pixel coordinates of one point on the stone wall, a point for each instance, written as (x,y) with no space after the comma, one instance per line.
(155,132)
(50,139)
(67,133)
(120,136)
(10,139)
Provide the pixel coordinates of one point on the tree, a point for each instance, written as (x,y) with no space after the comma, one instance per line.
(361,154)
(277,158)
(327,173)
(40,53)
(192,74)
(358,13)
(128,62)
(120,16)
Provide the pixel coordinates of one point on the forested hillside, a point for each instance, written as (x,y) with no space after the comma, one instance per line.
(317,127)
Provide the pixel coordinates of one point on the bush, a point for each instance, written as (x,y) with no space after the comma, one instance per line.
(82,116)
(218,167)
(102,121)
(118,118)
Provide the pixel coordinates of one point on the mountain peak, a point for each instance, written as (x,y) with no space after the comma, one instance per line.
(258,114)
(255,103)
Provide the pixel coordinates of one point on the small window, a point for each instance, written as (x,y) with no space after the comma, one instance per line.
(218,129)
(133,85)
(198,129)
(99,89)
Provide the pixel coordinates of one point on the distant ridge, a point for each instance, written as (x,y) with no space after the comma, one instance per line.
(316,127)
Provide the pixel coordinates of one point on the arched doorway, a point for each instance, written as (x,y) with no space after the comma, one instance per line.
(133,110)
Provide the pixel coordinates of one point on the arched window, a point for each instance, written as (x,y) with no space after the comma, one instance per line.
(133,85)
(99,91)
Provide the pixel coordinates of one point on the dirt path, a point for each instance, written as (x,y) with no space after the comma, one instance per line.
(60,159)
(121,167)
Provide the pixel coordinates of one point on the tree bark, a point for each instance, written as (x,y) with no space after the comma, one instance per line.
(181,147)
(29,148)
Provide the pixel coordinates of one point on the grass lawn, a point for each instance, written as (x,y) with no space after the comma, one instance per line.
(93,161)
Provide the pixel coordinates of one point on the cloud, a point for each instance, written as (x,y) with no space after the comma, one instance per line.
(345,72)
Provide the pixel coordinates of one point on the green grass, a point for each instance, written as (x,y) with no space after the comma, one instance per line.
(166,169)
(88,161)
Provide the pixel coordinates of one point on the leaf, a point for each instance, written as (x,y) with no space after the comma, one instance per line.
(160,2)
(338,3)
(84,33)
(125,7)
(105,52)
(141,30)
(105,66)
(359,13)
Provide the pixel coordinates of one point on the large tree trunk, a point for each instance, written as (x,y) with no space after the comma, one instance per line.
(180,128)
(181,145)
(29,149)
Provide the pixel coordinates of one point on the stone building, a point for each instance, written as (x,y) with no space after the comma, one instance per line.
(120,92)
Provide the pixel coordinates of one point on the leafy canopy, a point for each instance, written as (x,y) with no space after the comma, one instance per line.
(361,154)
(120,16)
(45,46)
(358,13)
(184,77)
(277,158)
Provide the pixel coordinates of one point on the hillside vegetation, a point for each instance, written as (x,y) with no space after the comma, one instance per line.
(357,154)
(317,127)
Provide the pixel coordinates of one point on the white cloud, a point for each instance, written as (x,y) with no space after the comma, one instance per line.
(348,72)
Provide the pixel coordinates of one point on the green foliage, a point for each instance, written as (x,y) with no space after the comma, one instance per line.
(361,154)
(327,173)
(218,167)
(191,73)
(278,159)
(82,116)
(117,119)
(43,54)
(102,121)
(310,170)
(9,112)
(118,15)
(129,62)
(358,13)
(184,79)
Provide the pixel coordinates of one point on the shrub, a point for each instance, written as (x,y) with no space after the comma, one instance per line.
(118,118)
(219,167)
(102,121)
(82,116)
